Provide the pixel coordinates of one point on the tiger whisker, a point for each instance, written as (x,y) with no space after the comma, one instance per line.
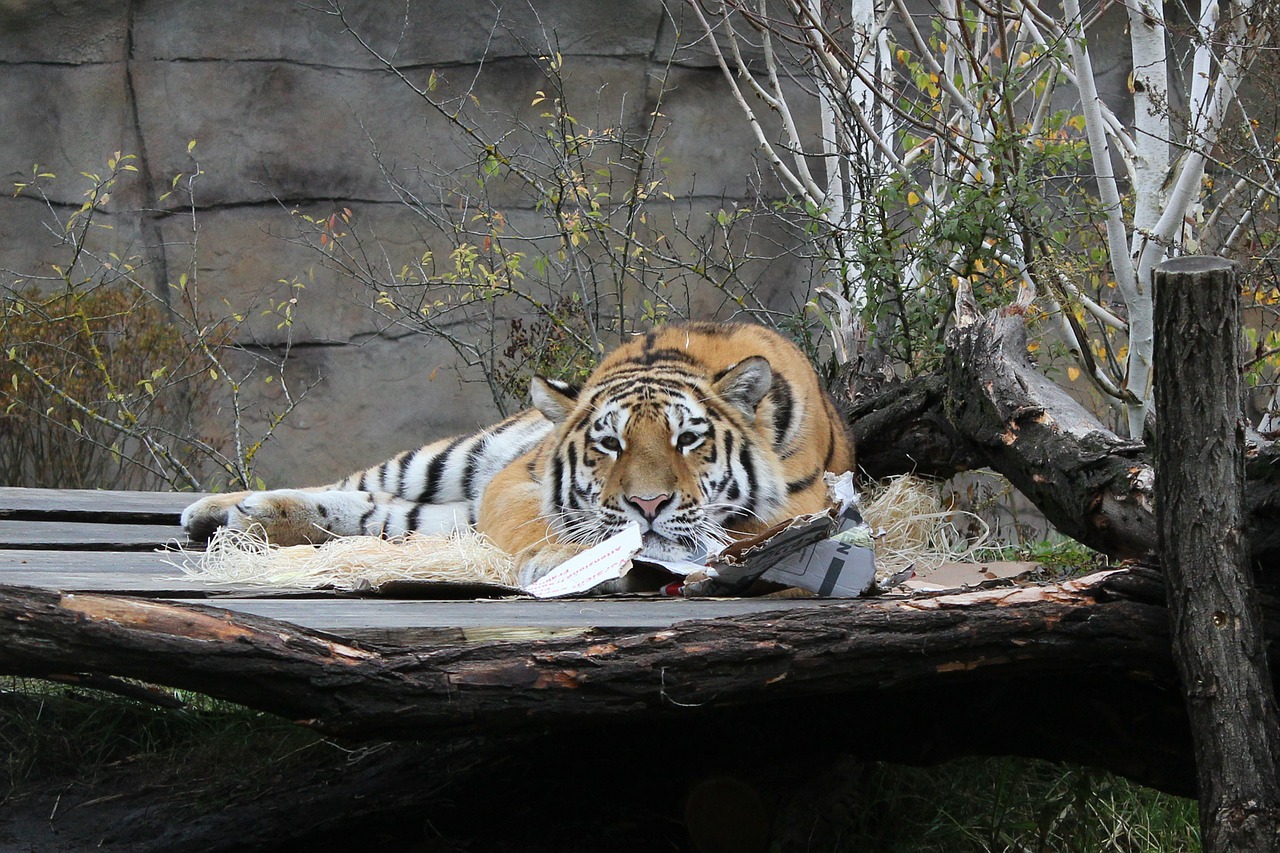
(578,531)
(714,534)
(575,527)
(720,505)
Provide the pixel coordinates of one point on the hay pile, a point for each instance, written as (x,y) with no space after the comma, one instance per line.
(348,563)
(912,527)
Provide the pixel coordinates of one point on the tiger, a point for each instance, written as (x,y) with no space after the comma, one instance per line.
(700,433)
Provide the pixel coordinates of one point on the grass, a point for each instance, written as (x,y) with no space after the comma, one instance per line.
(1010,804)
(54,731)
(1060,557)
(50,732)
(1006,804)
(1063,556)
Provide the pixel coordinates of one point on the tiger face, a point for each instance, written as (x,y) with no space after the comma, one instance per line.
(669,448)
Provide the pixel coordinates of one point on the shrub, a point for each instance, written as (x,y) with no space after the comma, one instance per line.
(97,379)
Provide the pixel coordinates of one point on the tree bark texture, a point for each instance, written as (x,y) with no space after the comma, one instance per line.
(992,408)
(1216,621)
(904,428)
(1079,671)
(1091,484)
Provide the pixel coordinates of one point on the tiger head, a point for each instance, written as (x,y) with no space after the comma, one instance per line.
(668,447)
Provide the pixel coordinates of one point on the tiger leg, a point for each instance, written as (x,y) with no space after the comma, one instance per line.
(312,516)
(434,489)
(511,516)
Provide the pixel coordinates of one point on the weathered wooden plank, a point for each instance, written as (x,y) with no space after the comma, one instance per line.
(149,585)
(148,573)
(166,582)
(406,622)
(85,534)
(398,621)
(145,563)
(134,572)
(94,505)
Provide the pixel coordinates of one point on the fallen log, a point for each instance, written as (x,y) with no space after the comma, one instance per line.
(1077,671)
(992,407)
(904,428)
(1091,484)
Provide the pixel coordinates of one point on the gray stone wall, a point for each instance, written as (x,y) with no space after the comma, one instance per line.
(287,110)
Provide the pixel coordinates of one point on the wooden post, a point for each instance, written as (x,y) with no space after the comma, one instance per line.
(1213,606)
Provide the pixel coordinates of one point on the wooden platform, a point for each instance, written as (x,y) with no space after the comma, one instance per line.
(115,542)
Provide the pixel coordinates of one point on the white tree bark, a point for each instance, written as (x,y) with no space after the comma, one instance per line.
(965,90)
(1152,133)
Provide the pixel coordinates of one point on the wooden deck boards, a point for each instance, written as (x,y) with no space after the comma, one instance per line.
(88,504)
(72,534)
(90,542)
(401,622)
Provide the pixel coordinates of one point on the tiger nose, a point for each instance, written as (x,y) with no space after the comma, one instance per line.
(649,507)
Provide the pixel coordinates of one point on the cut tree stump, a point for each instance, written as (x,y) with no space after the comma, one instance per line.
(1217,624)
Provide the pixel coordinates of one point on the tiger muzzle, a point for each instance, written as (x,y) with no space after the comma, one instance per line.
(649,507)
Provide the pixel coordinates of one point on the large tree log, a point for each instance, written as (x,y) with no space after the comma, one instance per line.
(1077,671)
(1091,484)
(904,428)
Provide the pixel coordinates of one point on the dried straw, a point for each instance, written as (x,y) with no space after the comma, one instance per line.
(913,528)
(347,563)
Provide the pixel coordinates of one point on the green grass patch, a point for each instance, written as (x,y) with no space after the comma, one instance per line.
(1007,804)
(49,730)
(1060,557)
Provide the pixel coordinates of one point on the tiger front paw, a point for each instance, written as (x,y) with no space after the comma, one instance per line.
(203,518)
(538,564)
(283,516)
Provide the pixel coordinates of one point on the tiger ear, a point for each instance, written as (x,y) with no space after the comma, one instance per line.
(745,384)
(553,398)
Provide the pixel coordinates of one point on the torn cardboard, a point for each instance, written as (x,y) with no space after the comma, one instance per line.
(609,560)
(821,553)
(829,553)
(953,576)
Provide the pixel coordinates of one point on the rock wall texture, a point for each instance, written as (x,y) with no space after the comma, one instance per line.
(290,112)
